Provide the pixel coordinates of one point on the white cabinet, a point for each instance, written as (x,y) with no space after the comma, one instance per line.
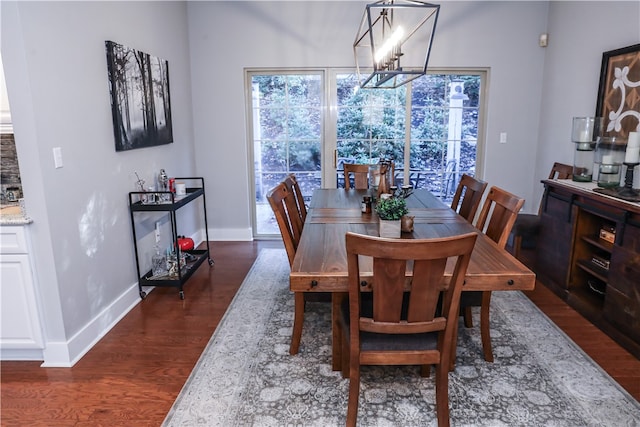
(21,335)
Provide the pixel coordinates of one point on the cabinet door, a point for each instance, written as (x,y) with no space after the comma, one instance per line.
(624,273)
(554,241)
(622,301)
(19,321)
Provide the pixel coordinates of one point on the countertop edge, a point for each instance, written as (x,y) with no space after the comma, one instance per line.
(15,220)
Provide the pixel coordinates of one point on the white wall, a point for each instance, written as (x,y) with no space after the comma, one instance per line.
(227,37)
(56,72)
(579,32)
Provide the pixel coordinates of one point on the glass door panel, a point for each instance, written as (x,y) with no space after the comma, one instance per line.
(286,117)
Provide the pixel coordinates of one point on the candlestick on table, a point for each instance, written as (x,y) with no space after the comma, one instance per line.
(627,190)
(632,154)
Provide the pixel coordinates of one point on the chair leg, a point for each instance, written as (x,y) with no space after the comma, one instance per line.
(484,326)
(354,392)
(517,244)
(298,321)
(468,319)
(346,366)
(454,350)
(442,394)
(425,371)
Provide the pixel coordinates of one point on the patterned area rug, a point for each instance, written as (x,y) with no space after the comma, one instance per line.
(246,377)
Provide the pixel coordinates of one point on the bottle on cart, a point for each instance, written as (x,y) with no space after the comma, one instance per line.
(158,263)
(163,184)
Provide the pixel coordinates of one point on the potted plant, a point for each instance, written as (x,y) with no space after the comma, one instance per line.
(390,210)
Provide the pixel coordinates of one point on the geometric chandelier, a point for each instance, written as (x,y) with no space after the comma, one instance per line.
(394,40)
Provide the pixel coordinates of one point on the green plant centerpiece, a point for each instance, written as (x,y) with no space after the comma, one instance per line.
(392,208)
(390,211)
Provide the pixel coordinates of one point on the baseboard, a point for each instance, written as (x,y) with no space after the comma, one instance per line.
(66,354)
(231,234)
(30,354)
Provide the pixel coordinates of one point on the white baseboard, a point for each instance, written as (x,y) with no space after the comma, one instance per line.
(67,354)
(31,354)
(231,234)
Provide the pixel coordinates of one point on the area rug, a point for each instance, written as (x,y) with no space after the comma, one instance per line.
(246,377)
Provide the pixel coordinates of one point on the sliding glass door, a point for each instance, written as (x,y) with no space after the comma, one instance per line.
(286,128)
(312,122)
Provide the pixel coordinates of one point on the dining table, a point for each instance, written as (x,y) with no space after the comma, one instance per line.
(320,263)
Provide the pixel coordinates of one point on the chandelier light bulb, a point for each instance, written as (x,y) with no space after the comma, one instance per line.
(390,46)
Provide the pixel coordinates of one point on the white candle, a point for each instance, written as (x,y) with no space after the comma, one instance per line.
(585,136)
(634,140)
(632,155)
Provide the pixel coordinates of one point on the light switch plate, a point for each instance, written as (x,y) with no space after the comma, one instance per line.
(57,157)
(503,137)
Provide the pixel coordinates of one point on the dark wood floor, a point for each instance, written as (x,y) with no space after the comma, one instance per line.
(133,375)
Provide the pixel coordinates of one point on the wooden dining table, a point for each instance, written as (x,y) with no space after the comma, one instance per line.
(320,263)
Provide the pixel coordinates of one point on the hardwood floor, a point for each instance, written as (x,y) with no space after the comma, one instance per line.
(133,375)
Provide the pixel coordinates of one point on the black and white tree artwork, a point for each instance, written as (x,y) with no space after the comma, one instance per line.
(140,102)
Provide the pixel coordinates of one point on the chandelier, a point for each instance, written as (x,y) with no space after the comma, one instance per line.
(394,39)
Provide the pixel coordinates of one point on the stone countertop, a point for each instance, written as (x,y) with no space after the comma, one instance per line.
(12,215)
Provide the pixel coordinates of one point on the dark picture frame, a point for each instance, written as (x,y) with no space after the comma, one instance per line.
(619,91)
(140,98)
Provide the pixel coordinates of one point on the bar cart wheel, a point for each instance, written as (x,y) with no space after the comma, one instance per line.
(210,262)
(143,294)
(181,294)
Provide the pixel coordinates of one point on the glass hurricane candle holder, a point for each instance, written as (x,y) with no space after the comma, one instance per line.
(584,134)
(610,152)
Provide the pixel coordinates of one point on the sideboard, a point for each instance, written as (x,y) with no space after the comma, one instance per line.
(588,253)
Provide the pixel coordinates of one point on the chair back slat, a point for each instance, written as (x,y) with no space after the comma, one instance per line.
(284,208)
(498,215)
(467,197)
(561,171)
(294,187)
(360,176)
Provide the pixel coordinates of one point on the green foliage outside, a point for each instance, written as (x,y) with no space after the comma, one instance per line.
(371,125)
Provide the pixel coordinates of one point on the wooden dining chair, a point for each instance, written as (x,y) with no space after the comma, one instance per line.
(527,226)
(468,196)
(389,326)
(284,208)
(360,176)
(496,220)
(292,185)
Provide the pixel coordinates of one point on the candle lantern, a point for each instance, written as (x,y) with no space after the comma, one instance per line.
(585,134)
(374,178)
(609,156)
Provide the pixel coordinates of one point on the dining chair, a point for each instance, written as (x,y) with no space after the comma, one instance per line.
(468,196)
(360,176)
(388,326)
(284,208)
(527,226)
(496,220)
(294,187)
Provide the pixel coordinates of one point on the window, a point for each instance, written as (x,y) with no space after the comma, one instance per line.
(429,127)
(442,113)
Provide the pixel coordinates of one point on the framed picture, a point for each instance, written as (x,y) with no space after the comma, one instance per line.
(619,91)
(140,101)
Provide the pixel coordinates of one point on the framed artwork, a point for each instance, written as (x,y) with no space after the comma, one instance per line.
(619,91)
(140,101)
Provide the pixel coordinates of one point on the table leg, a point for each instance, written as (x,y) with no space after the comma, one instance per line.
(336,335)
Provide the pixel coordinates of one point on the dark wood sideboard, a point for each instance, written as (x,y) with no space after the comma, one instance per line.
(588,253)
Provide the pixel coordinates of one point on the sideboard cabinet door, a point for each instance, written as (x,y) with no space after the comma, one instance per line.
(622,300)
(555,239)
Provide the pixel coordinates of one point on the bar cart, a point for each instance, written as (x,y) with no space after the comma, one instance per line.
(167,201)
